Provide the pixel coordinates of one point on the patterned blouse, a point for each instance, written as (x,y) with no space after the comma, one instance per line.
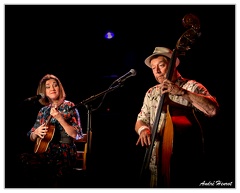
(61,151)
(72,117)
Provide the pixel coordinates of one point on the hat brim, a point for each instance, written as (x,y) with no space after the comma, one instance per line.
(148,59)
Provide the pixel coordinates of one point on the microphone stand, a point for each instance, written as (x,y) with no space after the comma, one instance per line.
(89,117)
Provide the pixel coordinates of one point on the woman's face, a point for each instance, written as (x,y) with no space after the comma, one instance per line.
(52,89)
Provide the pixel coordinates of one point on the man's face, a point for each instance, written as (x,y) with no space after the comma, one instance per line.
(159,68)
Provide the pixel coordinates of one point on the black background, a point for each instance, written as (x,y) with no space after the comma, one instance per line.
(68,41)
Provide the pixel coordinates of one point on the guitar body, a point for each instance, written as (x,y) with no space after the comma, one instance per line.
(41,145)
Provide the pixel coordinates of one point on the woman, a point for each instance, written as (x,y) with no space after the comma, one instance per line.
(53,133)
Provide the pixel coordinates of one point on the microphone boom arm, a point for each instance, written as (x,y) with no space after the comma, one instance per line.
(93,97)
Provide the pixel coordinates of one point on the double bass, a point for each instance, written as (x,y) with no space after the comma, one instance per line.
(183,44)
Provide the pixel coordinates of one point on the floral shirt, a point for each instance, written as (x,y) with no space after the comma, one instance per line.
(153,96)
(149,110)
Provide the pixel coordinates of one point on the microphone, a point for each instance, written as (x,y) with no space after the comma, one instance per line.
(40,95)
(132,72)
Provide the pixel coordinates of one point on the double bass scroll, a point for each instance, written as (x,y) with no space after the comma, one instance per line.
(188,37)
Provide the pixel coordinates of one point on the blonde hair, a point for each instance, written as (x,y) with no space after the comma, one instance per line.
(42,89)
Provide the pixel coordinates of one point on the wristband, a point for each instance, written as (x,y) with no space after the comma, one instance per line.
(142,128)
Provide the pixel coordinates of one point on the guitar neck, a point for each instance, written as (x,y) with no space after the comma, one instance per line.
(48,120)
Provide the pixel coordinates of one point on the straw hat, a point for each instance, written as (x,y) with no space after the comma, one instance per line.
(160,51)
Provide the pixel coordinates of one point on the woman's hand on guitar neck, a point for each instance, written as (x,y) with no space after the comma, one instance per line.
(55,113)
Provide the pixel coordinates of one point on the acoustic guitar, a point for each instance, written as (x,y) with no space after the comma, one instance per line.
(41,145)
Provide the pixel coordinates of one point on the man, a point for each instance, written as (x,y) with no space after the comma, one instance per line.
(178,147)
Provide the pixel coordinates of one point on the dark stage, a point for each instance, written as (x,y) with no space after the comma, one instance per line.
(68,41)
